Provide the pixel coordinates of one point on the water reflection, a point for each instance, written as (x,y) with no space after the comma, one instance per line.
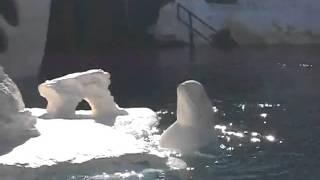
(266,100)
(252,150)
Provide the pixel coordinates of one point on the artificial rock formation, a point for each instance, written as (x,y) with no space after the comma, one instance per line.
(82,145)
(16,124)
(23,32)
(193,128)
(64,94)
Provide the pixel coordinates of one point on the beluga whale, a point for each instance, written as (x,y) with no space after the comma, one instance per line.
(193,128)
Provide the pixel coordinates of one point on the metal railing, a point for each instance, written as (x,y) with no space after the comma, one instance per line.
(191,17)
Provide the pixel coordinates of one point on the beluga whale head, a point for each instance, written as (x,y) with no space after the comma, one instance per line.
(193,105)
(193,128)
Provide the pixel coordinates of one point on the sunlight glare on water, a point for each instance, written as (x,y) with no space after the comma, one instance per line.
(250,150)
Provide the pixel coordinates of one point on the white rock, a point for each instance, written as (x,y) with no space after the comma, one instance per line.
(11,98)
(73,146)
(64,94)
(168,26)
(82,140)
(193,128)
(250,21)
(26,41)
(16,125)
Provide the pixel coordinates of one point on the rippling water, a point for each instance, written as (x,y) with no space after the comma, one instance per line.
(261,140)
(268,107)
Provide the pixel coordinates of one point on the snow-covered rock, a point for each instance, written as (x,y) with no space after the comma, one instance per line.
(77,141)
(83,145)
(65,93)
(250,21)
(25,38)
(16,125)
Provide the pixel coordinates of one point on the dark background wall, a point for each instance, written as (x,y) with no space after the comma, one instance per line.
(8,9)
(98,24)
(109,35)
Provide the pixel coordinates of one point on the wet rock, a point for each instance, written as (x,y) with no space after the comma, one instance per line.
(16,125)
(223,40)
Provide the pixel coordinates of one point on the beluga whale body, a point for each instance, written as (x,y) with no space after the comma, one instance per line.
(193,128)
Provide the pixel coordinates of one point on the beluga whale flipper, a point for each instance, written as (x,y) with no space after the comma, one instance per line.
(193,128)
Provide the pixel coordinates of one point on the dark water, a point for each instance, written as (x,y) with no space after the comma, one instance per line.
(271,91)
(149,75)
(267,97)
(262,141)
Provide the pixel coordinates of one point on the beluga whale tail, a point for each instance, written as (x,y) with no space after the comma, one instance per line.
(193,128)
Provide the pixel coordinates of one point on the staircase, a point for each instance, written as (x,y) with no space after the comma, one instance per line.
(220,39)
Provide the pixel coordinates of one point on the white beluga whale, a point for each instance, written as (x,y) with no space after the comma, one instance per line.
(193,128)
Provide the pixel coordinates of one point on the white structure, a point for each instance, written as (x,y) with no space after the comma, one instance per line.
(67,146)
(26,41)
(193,128)
(16,125)
(250,21)
(65,93)
(81,142)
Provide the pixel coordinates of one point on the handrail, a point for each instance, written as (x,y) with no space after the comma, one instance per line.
(189,24)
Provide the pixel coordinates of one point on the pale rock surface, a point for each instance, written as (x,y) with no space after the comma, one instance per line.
(77,141)
(65,93)
(16,125)
(83,145)
(168,26)
(26,40)
(193,128)
(250,21)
